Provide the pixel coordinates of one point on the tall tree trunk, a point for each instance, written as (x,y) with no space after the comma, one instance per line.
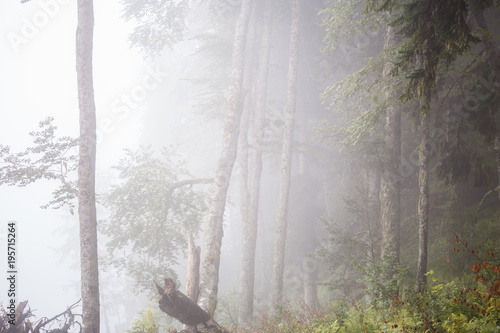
(86,169)
(390,182)
(423,199)
(496,150)
(310,277)
(213,231)
(246,115)
(286,163)
(492,58)
(309,265)
(248,110)
(373,211)
(247,273)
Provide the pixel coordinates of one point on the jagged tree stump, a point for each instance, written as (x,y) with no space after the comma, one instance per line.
(193,270)
(179,306)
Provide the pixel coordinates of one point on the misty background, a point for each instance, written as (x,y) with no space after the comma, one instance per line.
(175,98)
(139,101)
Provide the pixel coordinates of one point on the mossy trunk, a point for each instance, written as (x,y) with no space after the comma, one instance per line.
(390,183)
(423,201)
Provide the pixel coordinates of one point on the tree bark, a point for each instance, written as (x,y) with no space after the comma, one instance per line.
(86,169)
(214,230)
(193,270)
(372,243)
(246,115)
(310,276)
(192,273)
(244,159)
(286,163)
(423,200)
(492,58)
(247,273)
(390,183)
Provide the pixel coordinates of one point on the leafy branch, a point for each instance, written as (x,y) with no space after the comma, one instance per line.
(50,158)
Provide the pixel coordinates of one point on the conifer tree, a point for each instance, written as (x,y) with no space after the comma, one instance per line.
(434,32)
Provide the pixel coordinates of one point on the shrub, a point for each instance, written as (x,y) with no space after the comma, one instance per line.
(146,323)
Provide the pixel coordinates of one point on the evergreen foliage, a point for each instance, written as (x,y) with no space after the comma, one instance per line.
(434,32)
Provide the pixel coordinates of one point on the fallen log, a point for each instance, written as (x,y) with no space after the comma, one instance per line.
(179,306)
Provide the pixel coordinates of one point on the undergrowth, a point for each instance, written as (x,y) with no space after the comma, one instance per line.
(468,304)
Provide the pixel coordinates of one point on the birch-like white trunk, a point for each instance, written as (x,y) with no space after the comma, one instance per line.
(247,272)
(286,163)
(86,169)
(213,230)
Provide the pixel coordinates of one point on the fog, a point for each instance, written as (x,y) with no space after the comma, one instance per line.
(177,97)
(132,93)
(39,80)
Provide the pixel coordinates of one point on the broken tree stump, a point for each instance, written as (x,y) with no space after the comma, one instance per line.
(179,306)
(193,270)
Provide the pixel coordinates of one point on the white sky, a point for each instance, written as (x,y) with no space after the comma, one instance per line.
(38,79)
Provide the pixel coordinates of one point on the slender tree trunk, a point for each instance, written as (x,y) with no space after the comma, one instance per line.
(286,163)
(106,319)
(496,151)
(373,179)
(309,265)
(310,276)
(390,182)
(213,231)
(86,169)
(423,199)
(243,147)
(244,154)
(247,273)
